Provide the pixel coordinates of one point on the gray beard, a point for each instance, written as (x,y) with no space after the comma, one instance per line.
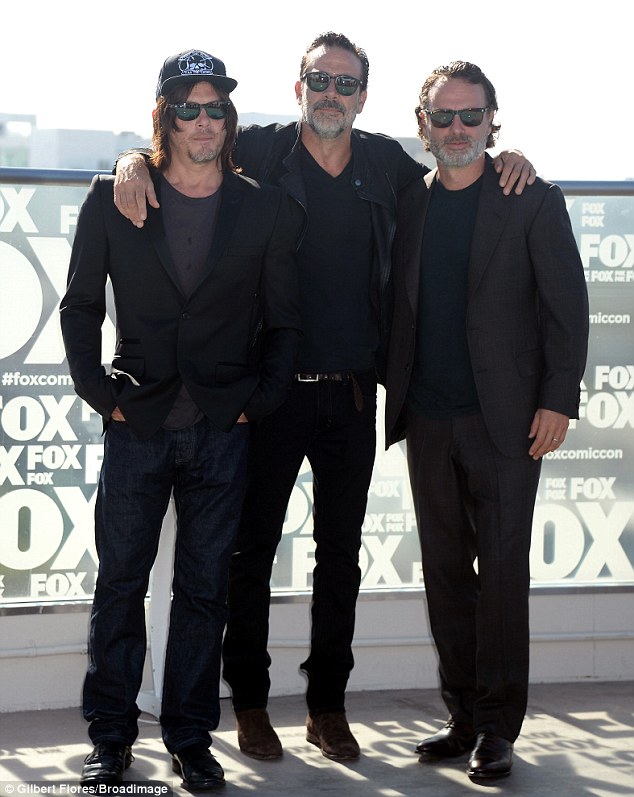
(457,159)
(327,129)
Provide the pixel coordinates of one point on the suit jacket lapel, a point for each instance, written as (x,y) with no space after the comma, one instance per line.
(493,211)
(231,199)
(156,232)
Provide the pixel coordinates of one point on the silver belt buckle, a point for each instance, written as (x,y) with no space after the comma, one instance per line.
(307,377)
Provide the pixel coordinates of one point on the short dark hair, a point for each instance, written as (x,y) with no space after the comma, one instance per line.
(331,39)
(462,70)
(164,119)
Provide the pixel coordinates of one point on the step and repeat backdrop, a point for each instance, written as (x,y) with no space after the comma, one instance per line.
(51,442)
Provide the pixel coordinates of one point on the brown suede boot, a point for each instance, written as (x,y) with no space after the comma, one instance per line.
(331,733)
(256,737)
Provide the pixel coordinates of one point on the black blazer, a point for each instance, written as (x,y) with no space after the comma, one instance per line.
(232,342)
(527,311)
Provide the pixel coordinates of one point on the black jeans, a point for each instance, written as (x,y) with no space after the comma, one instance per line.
(319,421)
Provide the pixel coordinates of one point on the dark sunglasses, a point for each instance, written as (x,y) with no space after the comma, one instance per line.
(470,117)
(319,81)
(188,111)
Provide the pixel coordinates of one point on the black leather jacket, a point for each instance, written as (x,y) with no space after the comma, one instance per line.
(381,170)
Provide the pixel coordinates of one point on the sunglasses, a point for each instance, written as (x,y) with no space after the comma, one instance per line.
(188,111)
(470,117)
(319,81)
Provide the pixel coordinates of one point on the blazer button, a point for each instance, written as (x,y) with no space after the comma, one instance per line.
(185,316)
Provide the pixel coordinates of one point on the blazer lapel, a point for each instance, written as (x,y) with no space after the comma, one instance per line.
(231,199)
(156,233)
(493,211)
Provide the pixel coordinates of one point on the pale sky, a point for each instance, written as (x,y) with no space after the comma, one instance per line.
(562,69)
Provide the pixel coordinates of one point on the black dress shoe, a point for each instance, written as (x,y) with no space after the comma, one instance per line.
(198,768)
(492,757)
(106,764)
(452,740)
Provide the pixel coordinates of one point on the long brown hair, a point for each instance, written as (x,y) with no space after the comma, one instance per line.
(165,119)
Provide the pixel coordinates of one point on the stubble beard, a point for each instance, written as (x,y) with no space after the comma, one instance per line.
(205,155)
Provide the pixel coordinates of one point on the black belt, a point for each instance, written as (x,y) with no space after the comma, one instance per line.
(335,376)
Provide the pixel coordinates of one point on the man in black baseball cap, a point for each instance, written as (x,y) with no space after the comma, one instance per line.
(207,329)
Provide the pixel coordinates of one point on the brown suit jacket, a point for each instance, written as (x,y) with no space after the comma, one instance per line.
(527,312)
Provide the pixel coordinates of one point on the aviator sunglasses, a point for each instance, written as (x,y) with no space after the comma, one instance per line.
(470,117)
(319,81)
(188,111)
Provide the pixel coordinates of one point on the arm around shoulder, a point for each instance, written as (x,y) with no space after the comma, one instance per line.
(133,187)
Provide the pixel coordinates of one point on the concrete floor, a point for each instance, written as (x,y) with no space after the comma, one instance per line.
(577,740)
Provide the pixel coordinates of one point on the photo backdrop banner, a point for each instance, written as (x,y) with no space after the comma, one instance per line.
(51,442)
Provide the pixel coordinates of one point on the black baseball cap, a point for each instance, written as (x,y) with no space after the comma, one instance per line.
(190,67)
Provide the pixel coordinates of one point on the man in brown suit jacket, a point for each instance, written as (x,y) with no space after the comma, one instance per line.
(487,351)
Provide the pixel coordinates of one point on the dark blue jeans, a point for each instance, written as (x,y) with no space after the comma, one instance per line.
(206,470)
(320,421)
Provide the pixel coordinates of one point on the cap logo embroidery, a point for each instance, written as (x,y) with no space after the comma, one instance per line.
(195,63)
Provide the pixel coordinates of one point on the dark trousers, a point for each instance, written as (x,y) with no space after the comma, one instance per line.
(473,502)
(206,469)
(321,422)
